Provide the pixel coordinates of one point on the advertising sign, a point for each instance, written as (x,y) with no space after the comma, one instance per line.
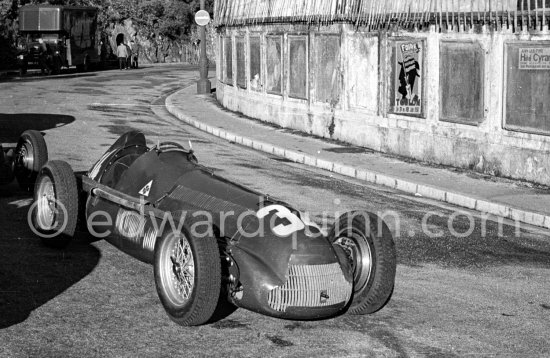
(408,83)
(534,58)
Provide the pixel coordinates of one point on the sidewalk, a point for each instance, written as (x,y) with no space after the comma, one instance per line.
(503,198)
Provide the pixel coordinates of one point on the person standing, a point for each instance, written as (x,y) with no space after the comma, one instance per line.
(135,50)
(128,55)
(122,54)
(43,57)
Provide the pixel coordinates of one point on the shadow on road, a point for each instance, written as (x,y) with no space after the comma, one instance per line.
(13,124)
(30,273)
(38,77)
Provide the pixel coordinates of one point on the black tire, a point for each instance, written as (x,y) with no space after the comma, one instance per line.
(224,308)
(372,258)
(56,203)
(56,69)
(31,154)
(86,64)
(196,305)
(6,170)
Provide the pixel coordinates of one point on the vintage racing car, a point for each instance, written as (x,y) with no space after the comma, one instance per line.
(24,160)
(214,244)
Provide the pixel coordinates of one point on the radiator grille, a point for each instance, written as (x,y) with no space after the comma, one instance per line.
(311,286)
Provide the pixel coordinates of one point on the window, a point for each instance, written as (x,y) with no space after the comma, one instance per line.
(241,62)
(362,79)
(255,64)
(274,57)
(221,71)
(228,70)
(297,53)
(327,86)
(461,74)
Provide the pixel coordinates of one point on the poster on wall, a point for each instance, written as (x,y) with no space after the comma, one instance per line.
(408,81)
(534,58)
(527,108)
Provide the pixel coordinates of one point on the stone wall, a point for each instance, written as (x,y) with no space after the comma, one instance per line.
(159,49)
(472,100)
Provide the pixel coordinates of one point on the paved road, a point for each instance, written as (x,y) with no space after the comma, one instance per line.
(484,292)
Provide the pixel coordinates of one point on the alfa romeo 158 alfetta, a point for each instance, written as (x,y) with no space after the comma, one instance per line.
(214,244)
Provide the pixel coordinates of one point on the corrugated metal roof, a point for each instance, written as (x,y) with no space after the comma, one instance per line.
(380,13)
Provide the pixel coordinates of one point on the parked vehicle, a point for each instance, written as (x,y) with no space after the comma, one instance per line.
(226,246)
(24,160)
(69,36)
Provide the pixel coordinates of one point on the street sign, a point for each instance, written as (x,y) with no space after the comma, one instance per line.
(202,17)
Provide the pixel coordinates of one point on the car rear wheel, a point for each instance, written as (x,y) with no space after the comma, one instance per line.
(6,172)
(187,276)
(31,154)
(56,66)
(370,249)
(84,66)
(55,209)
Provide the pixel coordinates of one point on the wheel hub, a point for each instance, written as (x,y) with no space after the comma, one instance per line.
(359,255)
(24,157)
(47,208)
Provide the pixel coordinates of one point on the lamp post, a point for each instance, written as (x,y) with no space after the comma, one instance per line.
(203,84)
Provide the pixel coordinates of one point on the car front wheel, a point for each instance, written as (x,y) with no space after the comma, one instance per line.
(55,209)
(187,275)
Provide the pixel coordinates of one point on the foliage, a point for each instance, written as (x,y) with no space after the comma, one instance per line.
(153,20)
(8,30)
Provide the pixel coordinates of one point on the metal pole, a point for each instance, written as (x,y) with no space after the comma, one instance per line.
(203,84)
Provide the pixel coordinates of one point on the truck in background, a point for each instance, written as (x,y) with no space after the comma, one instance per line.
(69,33)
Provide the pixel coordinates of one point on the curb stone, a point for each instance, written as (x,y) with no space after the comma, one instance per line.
(483,206)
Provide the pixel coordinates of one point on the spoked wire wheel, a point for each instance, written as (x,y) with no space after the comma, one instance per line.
(187,275)
(177,269)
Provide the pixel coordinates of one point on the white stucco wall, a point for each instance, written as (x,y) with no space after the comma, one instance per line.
(361,114)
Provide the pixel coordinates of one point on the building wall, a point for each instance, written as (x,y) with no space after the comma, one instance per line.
(475,101)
